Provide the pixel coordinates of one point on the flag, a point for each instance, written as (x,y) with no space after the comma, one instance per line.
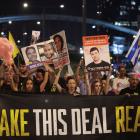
(70,71)
(134,51)
(137,67)
(12,41)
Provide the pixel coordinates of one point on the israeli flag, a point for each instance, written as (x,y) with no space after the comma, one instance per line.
(134,51)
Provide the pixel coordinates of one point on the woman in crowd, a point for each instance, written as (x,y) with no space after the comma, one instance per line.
(82,79)
(71,85)
(96,87)
(29,85)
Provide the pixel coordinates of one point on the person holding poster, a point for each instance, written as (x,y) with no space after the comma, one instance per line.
(97,61)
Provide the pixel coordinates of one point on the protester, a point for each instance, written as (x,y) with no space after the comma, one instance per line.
(71,85)
(122,81)
(23,74)
(82,79)
(8,84)
(28,86)
(41,80)
(96,88)
(133,88)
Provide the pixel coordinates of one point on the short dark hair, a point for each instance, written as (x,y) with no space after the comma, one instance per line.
(40,70)
(69,78)
(121,66)
(93,49)
(61,39)
(28,48)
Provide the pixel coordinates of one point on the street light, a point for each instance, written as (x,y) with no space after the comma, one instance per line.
(25,5)
(10,22)
(38,22)
(62,6)
(2,33)
(93,26)
(18,41)
(25,33)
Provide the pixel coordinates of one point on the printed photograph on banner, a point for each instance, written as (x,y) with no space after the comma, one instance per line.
(47,51)
(62,49)
(31,56)
(96,53)
(35,37)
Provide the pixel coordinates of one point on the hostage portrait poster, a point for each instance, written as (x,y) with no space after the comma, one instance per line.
(35,54)
(96,52)
(31,56)
(62,49)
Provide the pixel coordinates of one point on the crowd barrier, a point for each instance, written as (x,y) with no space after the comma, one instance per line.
(64,117)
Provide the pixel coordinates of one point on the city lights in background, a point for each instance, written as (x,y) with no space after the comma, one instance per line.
(18,41)
(93,26)
(81,51)
(133,2)
(2,33)
(62,6)
(99,12)
(10,22)
(25,5)
(118,45)
(25,33)
(38,22)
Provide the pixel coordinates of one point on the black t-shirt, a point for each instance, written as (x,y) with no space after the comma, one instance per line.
(37,86)
(102,65)
(67,92)
(130,91)
(21,83)
(6,88)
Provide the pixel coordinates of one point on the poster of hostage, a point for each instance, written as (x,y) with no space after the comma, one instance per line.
(35,54)
(96,53)
(31,56)
(62,49)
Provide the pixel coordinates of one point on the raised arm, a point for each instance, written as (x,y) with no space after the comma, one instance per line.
(81,63)
(107,81)
(46,77)
(87,81)
(56,84)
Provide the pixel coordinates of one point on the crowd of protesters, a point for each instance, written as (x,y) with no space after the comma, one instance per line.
(46,80)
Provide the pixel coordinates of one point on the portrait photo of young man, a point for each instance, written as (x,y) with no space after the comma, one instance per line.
(97,61)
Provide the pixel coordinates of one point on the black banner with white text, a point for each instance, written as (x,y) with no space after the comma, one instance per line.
(64,117)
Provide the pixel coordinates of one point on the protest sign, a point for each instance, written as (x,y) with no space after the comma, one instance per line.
(61,46)
(96,52)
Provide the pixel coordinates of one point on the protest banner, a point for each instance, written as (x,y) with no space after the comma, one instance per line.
(96,52)
(62,49)
(51,117)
